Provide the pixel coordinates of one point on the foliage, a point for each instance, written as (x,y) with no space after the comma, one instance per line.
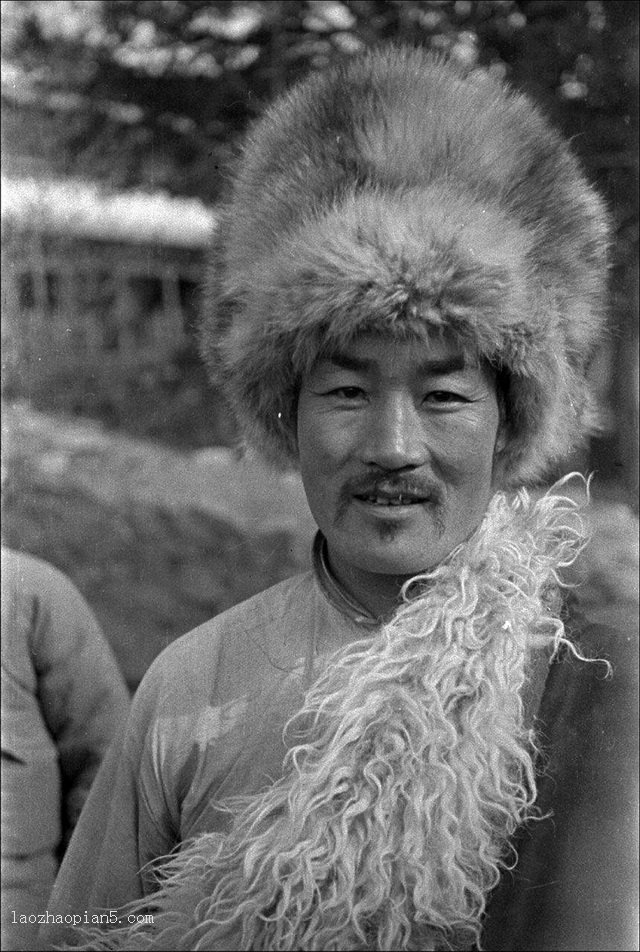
(154,92)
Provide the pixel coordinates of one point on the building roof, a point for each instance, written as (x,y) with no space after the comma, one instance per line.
(83,208)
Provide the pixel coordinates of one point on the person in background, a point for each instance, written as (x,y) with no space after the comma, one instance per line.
(408,282)
(63,699)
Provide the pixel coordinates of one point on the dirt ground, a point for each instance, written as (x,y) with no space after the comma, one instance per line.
(160,540)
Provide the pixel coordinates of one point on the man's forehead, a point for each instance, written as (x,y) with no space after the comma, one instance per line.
(433,353)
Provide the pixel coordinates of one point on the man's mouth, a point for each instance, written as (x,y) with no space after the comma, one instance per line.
(399,499)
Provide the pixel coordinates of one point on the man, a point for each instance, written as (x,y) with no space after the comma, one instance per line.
(407,287)
(63,700)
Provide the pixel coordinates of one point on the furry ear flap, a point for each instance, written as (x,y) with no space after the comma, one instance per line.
(394,189)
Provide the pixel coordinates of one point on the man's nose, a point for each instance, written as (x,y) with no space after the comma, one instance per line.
(395,435)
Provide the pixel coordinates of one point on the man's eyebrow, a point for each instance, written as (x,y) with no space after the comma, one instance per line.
(444,365)
(438,365)
(347,361)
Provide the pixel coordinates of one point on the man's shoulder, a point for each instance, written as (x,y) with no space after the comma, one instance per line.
(266,631)
(46,621)
(294,596)
(26,577)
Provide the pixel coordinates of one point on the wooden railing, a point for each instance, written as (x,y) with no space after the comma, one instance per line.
(70,297)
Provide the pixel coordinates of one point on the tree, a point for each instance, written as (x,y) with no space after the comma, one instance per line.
(154,93)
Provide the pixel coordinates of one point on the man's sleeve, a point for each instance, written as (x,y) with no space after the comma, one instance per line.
(125,823)
(82,693)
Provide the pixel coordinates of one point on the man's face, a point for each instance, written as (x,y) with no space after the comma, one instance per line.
(396,443)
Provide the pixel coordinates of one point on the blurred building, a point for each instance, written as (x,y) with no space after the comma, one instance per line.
(89,274)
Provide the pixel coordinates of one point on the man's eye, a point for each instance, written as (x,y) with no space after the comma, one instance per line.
(445,396)
(348,393)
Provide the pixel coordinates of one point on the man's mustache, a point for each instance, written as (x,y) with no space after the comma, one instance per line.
(412,486)
(384,484)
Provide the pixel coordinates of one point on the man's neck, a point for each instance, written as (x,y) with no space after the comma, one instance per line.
(378,594)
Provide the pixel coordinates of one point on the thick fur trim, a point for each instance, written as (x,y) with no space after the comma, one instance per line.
(409,768)
(392,193)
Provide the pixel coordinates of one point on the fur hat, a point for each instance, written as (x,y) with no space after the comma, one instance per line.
(393,193)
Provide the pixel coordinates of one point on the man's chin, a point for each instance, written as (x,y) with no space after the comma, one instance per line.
(397,556)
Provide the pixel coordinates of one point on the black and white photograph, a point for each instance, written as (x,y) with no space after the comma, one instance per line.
(320,475)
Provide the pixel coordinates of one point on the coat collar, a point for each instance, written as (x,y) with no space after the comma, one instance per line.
(333,590)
